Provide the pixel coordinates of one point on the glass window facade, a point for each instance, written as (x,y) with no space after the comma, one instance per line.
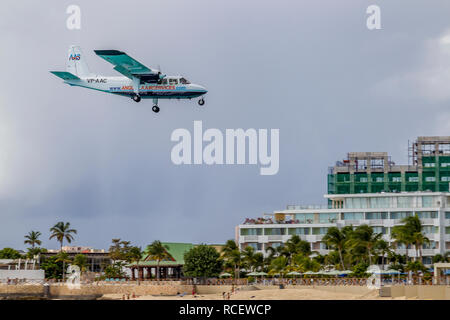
(328,217)
(251,232)
(353,216)
(318,231)
(427,215)
(305,217)
(400,215)
(274,231)
(376,215)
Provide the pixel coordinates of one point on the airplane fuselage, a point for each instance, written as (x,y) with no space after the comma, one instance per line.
(124,86)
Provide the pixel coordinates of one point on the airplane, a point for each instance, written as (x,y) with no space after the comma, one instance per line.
(138,81)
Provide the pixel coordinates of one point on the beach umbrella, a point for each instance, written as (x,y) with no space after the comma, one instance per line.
(262,273)
(334,272)
(294,273)
(345,272)
(253,274)
(310,272)
(392,271)
(226,274)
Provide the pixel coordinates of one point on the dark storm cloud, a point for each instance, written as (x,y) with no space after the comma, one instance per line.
(311,69)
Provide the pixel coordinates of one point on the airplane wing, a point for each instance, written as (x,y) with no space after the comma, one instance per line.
(126,65)
(65,75)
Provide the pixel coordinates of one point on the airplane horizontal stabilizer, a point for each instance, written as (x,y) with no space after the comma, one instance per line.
(65,75)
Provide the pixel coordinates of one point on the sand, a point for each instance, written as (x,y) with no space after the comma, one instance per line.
(268,294)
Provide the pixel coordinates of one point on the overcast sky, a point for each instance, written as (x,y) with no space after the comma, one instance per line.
(309,68)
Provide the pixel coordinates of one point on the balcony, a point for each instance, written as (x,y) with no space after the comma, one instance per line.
(376,222)
(430,221)
(314,237)
(275,237)
(249,238)
(428,252)
(432,236)
(352,222)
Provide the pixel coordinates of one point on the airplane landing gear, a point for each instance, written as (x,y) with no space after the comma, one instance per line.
(155,106)
(136,98)
(201,102)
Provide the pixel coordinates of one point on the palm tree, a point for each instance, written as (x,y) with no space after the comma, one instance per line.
(383,247)
(134,255)
(158,252)
(248,256)
(415,228)
(80,260)
(232,255)
(32,238)
(279,264)
(63,257)
(336,239)
(61,231)
(401,234)
(365,237)
(295,245)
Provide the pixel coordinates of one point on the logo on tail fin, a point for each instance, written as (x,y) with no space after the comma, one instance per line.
(75,57)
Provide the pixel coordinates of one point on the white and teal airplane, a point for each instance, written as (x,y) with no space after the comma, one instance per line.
(138,80)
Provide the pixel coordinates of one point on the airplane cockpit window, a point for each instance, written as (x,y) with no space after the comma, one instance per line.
(173,81)
(184,81)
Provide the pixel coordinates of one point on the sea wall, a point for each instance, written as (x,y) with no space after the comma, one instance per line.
(435,292)
(90,290)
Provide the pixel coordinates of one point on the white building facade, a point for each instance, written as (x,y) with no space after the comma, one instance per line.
(381,211)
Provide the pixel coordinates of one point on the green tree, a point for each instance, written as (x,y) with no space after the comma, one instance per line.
(439,258)
(202,261)
(157,251)
(9,253)
(62,231)
(64,258)
(305,263)
(279,265)
(384,249)
(294,246)
(32,238)
(134,254)
(53,269)
(364,239)
(232,256)
(80,260)
(114,270)
(336,239)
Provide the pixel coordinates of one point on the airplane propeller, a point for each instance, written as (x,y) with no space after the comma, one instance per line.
(161,76)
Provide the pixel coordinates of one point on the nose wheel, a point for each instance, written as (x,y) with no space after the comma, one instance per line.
(136,98)
(155,109)
(201,102)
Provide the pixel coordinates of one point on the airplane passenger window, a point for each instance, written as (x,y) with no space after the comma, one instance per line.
(173,81)
(184,81)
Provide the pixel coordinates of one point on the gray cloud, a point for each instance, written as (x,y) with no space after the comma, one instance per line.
(103,162)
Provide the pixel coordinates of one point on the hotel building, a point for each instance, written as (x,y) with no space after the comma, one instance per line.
(369,189)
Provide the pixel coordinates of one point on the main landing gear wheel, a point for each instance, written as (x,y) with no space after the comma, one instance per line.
(155,109)
(136,98)
(201,102)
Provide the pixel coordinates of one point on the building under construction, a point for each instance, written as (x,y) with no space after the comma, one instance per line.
(428,169)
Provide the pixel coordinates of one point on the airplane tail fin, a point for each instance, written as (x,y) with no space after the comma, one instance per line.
(76,62)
